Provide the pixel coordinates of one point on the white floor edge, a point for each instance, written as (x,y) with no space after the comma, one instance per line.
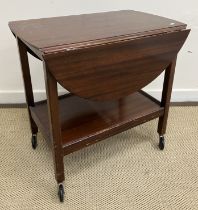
(178,95)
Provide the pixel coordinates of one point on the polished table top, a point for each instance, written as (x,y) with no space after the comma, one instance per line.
(70,31)
(125,50)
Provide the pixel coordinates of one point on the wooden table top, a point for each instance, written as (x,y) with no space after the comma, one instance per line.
(68,32)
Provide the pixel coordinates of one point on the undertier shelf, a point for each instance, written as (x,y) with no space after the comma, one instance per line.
(84,122)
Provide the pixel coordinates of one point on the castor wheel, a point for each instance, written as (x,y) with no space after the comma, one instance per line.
(34,141)
(161,142)
(61,192)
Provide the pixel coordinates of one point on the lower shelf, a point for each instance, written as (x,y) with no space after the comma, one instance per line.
(84,122)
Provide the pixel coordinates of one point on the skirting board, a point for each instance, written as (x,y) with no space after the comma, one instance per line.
(18,97)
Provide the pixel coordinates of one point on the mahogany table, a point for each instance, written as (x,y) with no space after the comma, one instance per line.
(103,60)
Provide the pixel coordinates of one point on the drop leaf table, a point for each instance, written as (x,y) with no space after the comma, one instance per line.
(103,60)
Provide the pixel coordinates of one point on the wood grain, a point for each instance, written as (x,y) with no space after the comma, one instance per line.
(90,29)
(113,71)
(106,57)
(84,122)
(166,96)
(54,126)
(25,69)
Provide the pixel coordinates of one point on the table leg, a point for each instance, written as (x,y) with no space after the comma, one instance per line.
(27,82)
(55,129)
(165,101)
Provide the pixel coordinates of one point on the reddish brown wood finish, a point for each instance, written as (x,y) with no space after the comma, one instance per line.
(27,82)
(166,96)
(90,29)
(54,126)
(103,56)
(84,122)
(123,68)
